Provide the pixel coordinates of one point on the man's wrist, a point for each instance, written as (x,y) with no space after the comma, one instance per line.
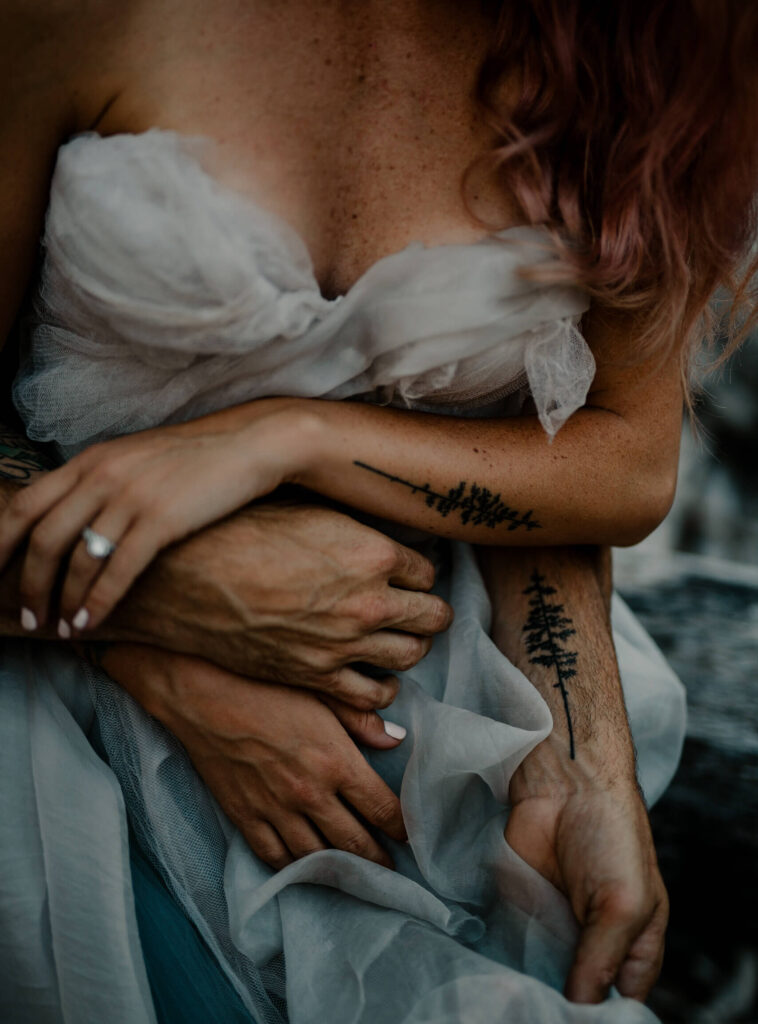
(549,771)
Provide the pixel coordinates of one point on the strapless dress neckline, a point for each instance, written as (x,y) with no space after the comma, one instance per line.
(195,144)
(166,294)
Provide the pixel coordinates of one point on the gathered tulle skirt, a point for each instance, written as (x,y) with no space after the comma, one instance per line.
(462,931)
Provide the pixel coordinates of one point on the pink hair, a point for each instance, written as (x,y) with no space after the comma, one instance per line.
(633,134)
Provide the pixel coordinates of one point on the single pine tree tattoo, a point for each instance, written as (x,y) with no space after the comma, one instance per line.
(476,505)
(547,630)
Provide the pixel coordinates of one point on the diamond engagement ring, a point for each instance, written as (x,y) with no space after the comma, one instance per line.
(98,546)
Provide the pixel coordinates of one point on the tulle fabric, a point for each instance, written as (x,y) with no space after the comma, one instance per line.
(165,295)
(463,931)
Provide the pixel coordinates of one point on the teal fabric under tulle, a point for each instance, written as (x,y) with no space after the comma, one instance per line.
(187,984)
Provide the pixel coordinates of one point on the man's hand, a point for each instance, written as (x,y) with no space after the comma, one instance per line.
(594,844)
(576,815)
(282,591)
(296,594)
(278,760)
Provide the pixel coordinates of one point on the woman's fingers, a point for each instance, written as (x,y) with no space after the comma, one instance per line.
(372,797)
(366,726)
(345,832)
(134,552)
(84,569)
(29,504)
(51,539)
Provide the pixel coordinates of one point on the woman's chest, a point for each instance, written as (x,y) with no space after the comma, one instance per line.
(355,123)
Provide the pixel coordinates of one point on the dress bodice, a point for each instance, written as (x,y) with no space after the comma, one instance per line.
(165,295)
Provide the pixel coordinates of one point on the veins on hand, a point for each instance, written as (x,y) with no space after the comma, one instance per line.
(475,505)
(547,630)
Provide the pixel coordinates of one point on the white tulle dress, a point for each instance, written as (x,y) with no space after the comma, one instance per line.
(165,295)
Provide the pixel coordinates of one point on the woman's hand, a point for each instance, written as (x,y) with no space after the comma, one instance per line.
(143,492)
(278,760)
(594,844)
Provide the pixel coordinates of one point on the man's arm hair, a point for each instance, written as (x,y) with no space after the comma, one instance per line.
(551,617)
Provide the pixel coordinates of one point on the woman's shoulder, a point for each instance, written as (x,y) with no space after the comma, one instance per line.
(55,56)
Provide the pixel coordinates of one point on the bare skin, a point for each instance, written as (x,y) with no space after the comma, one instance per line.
(377,109)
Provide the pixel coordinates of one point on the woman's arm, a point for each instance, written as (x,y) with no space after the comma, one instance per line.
(608,477)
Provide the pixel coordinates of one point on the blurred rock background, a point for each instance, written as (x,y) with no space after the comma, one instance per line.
(694,585)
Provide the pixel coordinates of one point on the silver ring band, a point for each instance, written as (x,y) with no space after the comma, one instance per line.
(97,545)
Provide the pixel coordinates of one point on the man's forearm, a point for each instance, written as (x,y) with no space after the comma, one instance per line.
(551,617)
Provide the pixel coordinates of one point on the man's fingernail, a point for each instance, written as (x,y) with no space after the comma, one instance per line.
(81,619)
(64,630)
(397,732)
(28,619)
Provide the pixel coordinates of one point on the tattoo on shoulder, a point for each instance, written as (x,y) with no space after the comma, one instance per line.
(476,505)
(19,459)
(547,630)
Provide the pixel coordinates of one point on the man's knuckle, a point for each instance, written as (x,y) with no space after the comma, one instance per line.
(622,904)
(329,680)
(441,615)
(411,652)
(355,843)
(304,794)
(372,611)
(239,811)
(385,812)
(319,661)
(385,556)
(427,573)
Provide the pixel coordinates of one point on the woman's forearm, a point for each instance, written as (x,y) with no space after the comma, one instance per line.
(490,481)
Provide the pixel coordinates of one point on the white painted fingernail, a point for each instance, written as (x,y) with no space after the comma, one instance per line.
(64,630)
(397,732)
(81,619)
(28,619)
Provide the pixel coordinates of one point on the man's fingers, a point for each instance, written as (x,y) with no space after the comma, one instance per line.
(359,691)
(299,836)
(264,841)
(411,570)
(414,612)
(387,648)
(366,726)
(640,970)
(604,944)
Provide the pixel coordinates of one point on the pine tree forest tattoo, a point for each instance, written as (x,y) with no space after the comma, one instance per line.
(547,630)
(476,505)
